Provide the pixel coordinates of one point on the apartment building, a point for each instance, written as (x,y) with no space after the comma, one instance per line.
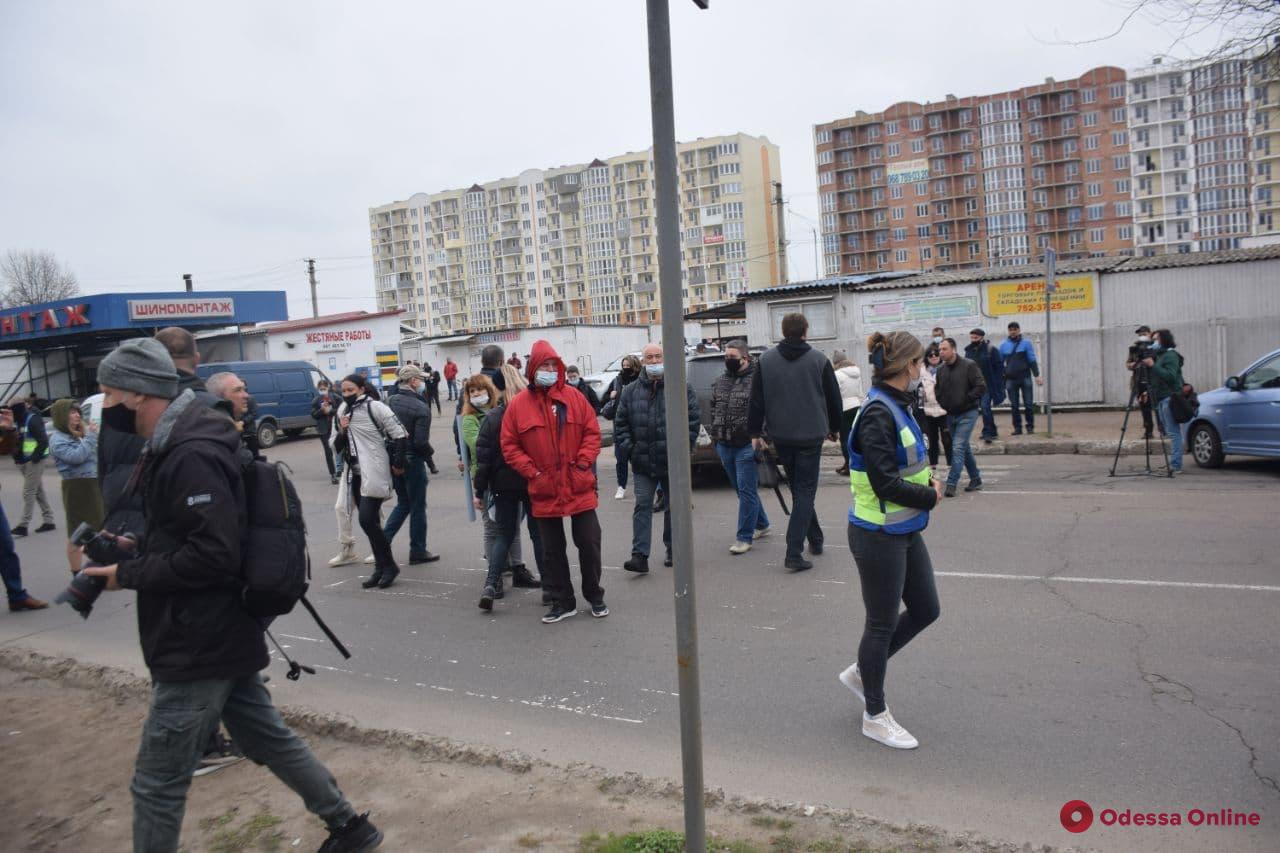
(985,180)
(577,244)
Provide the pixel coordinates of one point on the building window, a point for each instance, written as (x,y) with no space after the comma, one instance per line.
(1119,138)
(825,157)
(1089,120)
(895,149)
(1120,163)
(922,210)
(1091,142)
(821,137)
(1097,235)
(917,146)
(900,255)
(1096,211)
(895,191)
(1093,166)
(820,314)
(922,188)
(1117,115)
(916,123)
(1088,96)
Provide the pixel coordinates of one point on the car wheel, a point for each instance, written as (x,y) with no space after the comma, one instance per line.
(1206,447)
(266,435)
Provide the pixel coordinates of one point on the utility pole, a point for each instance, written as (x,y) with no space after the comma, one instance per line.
(676,403)
(1050,288)
(817,268)
(782,230)
(311,273)
(186,279)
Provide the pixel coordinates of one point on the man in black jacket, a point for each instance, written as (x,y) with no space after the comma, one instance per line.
(987,357)
(730,400)
(640,431)
(960,390)
(573,376)
(796,400)
(203,649)
(406,401)
(324,407)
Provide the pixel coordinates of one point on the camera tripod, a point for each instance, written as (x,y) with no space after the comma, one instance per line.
(1141,385)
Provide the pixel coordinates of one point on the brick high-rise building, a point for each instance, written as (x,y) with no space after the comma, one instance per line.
(572,244)
(987,180)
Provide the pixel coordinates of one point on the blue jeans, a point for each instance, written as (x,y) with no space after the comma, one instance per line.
(174,735)
(1025,389)
(506,530)
(803,463)
(10,568)
(740,464)
(624,461)
(961,451)
(988,418)
(411,503)
(642,515)
(1173,429)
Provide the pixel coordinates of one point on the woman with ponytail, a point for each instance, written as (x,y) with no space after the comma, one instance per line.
(893,491)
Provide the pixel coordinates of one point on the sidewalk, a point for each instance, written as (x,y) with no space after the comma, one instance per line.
(71,734)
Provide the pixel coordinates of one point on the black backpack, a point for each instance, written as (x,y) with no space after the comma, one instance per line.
(274,558)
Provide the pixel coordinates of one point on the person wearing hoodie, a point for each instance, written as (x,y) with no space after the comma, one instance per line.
(203,649)
(849,378)
(551,437)
(640,430)
(74,447)
(375,445)
(629,373)
(893,492)
(1166,380)
(30,454)
(573,376)
(796,400)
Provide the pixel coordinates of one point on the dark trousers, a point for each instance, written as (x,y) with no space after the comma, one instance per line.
(10,568)
(892,568)
(1024,388)
(1148,421)
(453,388)
(846,427)
(803,464)
(556,581)
(988,420)
(369,510)
(434,397)
(935,429)
(507,507)
(624,460)
(411,504)
(328,455)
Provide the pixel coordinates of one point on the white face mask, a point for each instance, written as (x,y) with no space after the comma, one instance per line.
(546,378)
(480,400)
(573,380)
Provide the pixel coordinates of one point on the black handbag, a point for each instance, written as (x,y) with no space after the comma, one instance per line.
(1180,407)
(769,477)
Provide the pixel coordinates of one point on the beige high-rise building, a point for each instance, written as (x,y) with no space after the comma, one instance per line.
(578,244)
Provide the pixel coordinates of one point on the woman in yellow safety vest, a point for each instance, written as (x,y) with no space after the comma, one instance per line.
(893,491)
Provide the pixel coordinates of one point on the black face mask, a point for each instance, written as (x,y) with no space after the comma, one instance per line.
(120,418)
(350,400)
(733,365)
(628,374)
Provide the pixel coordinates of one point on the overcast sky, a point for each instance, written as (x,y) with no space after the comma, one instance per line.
(142,140)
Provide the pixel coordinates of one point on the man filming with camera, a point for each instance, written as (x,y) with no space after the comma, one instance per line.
(203,649)
(1140,381)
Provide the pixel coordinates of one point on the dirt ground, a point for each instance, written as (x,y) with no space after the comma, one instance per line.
(68,740)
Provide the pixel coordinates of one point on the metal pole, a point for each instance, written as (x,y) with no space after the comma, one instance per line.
(677,412)
(782,231)
(1050,287)
(311,273)
(817,268)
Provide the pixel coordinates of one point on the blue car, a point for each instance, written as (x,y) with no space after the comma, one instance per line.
(1243,417)
(282,391)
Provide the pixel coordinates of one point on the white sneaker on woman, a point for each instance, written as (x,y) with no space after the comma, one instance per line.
(852,679)
(620,494)
(346,555)
(883,728)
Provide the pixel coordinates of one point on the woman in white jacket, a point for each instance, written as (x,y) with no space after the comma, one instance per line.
(374,444)
(935,417)
(849,378)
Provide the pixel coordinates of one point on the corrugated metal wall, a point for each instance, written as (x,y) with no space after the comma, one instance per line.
(1223,316)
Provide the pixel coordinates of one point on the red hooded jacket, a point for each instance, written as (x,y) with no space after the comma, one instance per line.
(551,437)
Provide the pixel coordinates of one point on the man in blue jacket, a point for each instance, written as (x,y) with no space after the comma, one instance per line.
(1020,365)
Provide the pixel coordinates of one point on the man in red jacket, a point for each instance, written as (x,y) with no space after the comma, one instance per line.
(451,377)
(550,436)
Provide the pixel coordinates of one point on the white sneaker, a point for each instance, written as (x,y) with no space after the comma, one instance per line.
(343,557)
(852,679)
(370,560)
(620,494)
(762,532)
(739,547)
(883,728)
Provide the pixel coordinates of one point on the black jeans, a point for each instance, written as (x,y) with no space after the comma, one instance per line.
(370,511)
(846,427)
(328,454)
(803,464)
(556,581)
(893,568)
(939,436)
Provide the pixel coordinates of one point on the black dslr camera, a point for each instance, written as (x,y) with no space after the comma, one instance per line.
(1139,351)
(104,549)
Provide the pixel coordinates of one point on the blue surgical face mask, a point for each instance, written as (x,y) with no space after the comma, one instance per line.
(546,378)
(573,380)
(655,370)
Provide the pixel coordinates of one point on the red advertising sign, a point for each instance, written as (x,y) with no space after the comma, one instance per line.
(46,320)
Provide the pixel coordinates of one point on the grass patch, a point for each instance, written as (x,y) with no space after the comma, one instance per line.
(783,844)
(770,822)
(529,841)
(258,833)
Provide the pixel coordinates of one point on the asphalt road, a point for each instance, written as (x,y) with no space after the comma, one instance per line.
(1111,640)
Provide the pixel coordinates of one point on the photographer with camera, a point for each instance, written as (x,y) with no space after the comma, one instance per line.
(202,647)
(1140,380)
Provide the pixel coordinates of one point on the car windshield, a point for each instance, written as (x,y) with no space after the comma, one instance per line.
(1265,375)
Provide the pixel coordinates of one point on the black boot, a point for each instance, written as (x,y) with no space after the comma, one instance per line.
(373,579)
(522,578)
(388,578)
(639,563)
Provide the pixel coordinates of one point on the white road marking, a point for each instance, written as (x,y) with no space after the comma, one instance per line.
(332,585)
(1081,493)
(296,637)
(1237,587)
